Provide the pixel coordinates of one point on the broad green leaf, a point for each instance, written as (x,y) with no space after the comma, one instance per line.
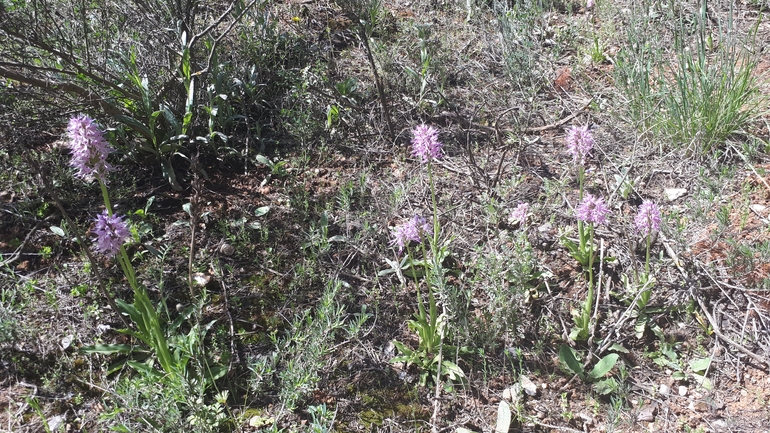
(568,357)
(260,211)
(603,366)
(452,370)
(618,348)
(171,119)
(144,368)
(262,159)
(135,125)
(700,364)
(106,349)
(641,325)
(606,386)
(168,173)
(703,381)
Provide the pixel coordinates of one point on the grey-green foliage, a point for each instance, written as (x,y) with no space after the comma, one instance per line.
(506,277)
(636,66)
(147,65)
(8,325)
(295,365)
(699,92)
(522,31)
(713,94)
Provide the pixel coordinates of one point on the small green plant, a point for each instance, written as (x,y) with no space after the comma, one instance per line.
(423,75)
(46,252)
(429,325)
(8,324)
(521,30)
(322,420)
(667,356)
(597,51)
(604,386)
(713,96)
(647,223)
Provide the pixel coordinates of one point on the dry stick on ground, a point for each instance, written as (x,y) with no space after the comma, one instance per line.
(377,80)
(94,264)
(17,253)
(597,298)
(193,211)
(490,130)
(711,320)
(236,357)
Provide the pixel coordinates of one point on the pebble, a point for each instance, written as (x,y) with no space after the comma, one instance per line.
(682,390)
(674,193)
(227,249)
(664,390)
(719,425)
(587,419)
(529,387)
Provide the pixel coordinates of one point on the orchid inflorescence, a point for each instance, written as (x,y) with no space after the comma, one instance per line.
(425,143)
(520,213)
(410,231)
(580,142)
(111,231)
(648,218)
(89,148)
(89,158)
(592,210)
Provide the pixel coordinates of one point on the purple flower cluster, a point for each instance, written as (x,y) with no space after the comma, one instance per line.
(520,214)
(89,148)
(592,210)
(580,142)
(110,232)
(410,231)
(425,144)
(648,218)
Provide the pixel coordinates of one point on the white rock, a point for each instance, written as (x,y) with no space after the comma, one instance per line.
(664,390)
(758,208)
(682,390)
(674,193)
(529,387)
(719,425)
(55,422)
(507,394)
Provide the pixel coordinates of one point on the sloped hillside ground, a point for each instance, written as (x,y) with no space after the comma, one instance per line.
(280,238)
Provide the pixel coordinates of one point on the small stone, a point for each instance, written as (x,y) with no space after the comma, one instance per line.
(701,406)
(227,249)
(719,425)
(507,394)
(647,413)
(529,387)
(758,208)
(55,422)
(674,193)
(682,390)
(587,419)
(200,279)
(744,393)
(664,390)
